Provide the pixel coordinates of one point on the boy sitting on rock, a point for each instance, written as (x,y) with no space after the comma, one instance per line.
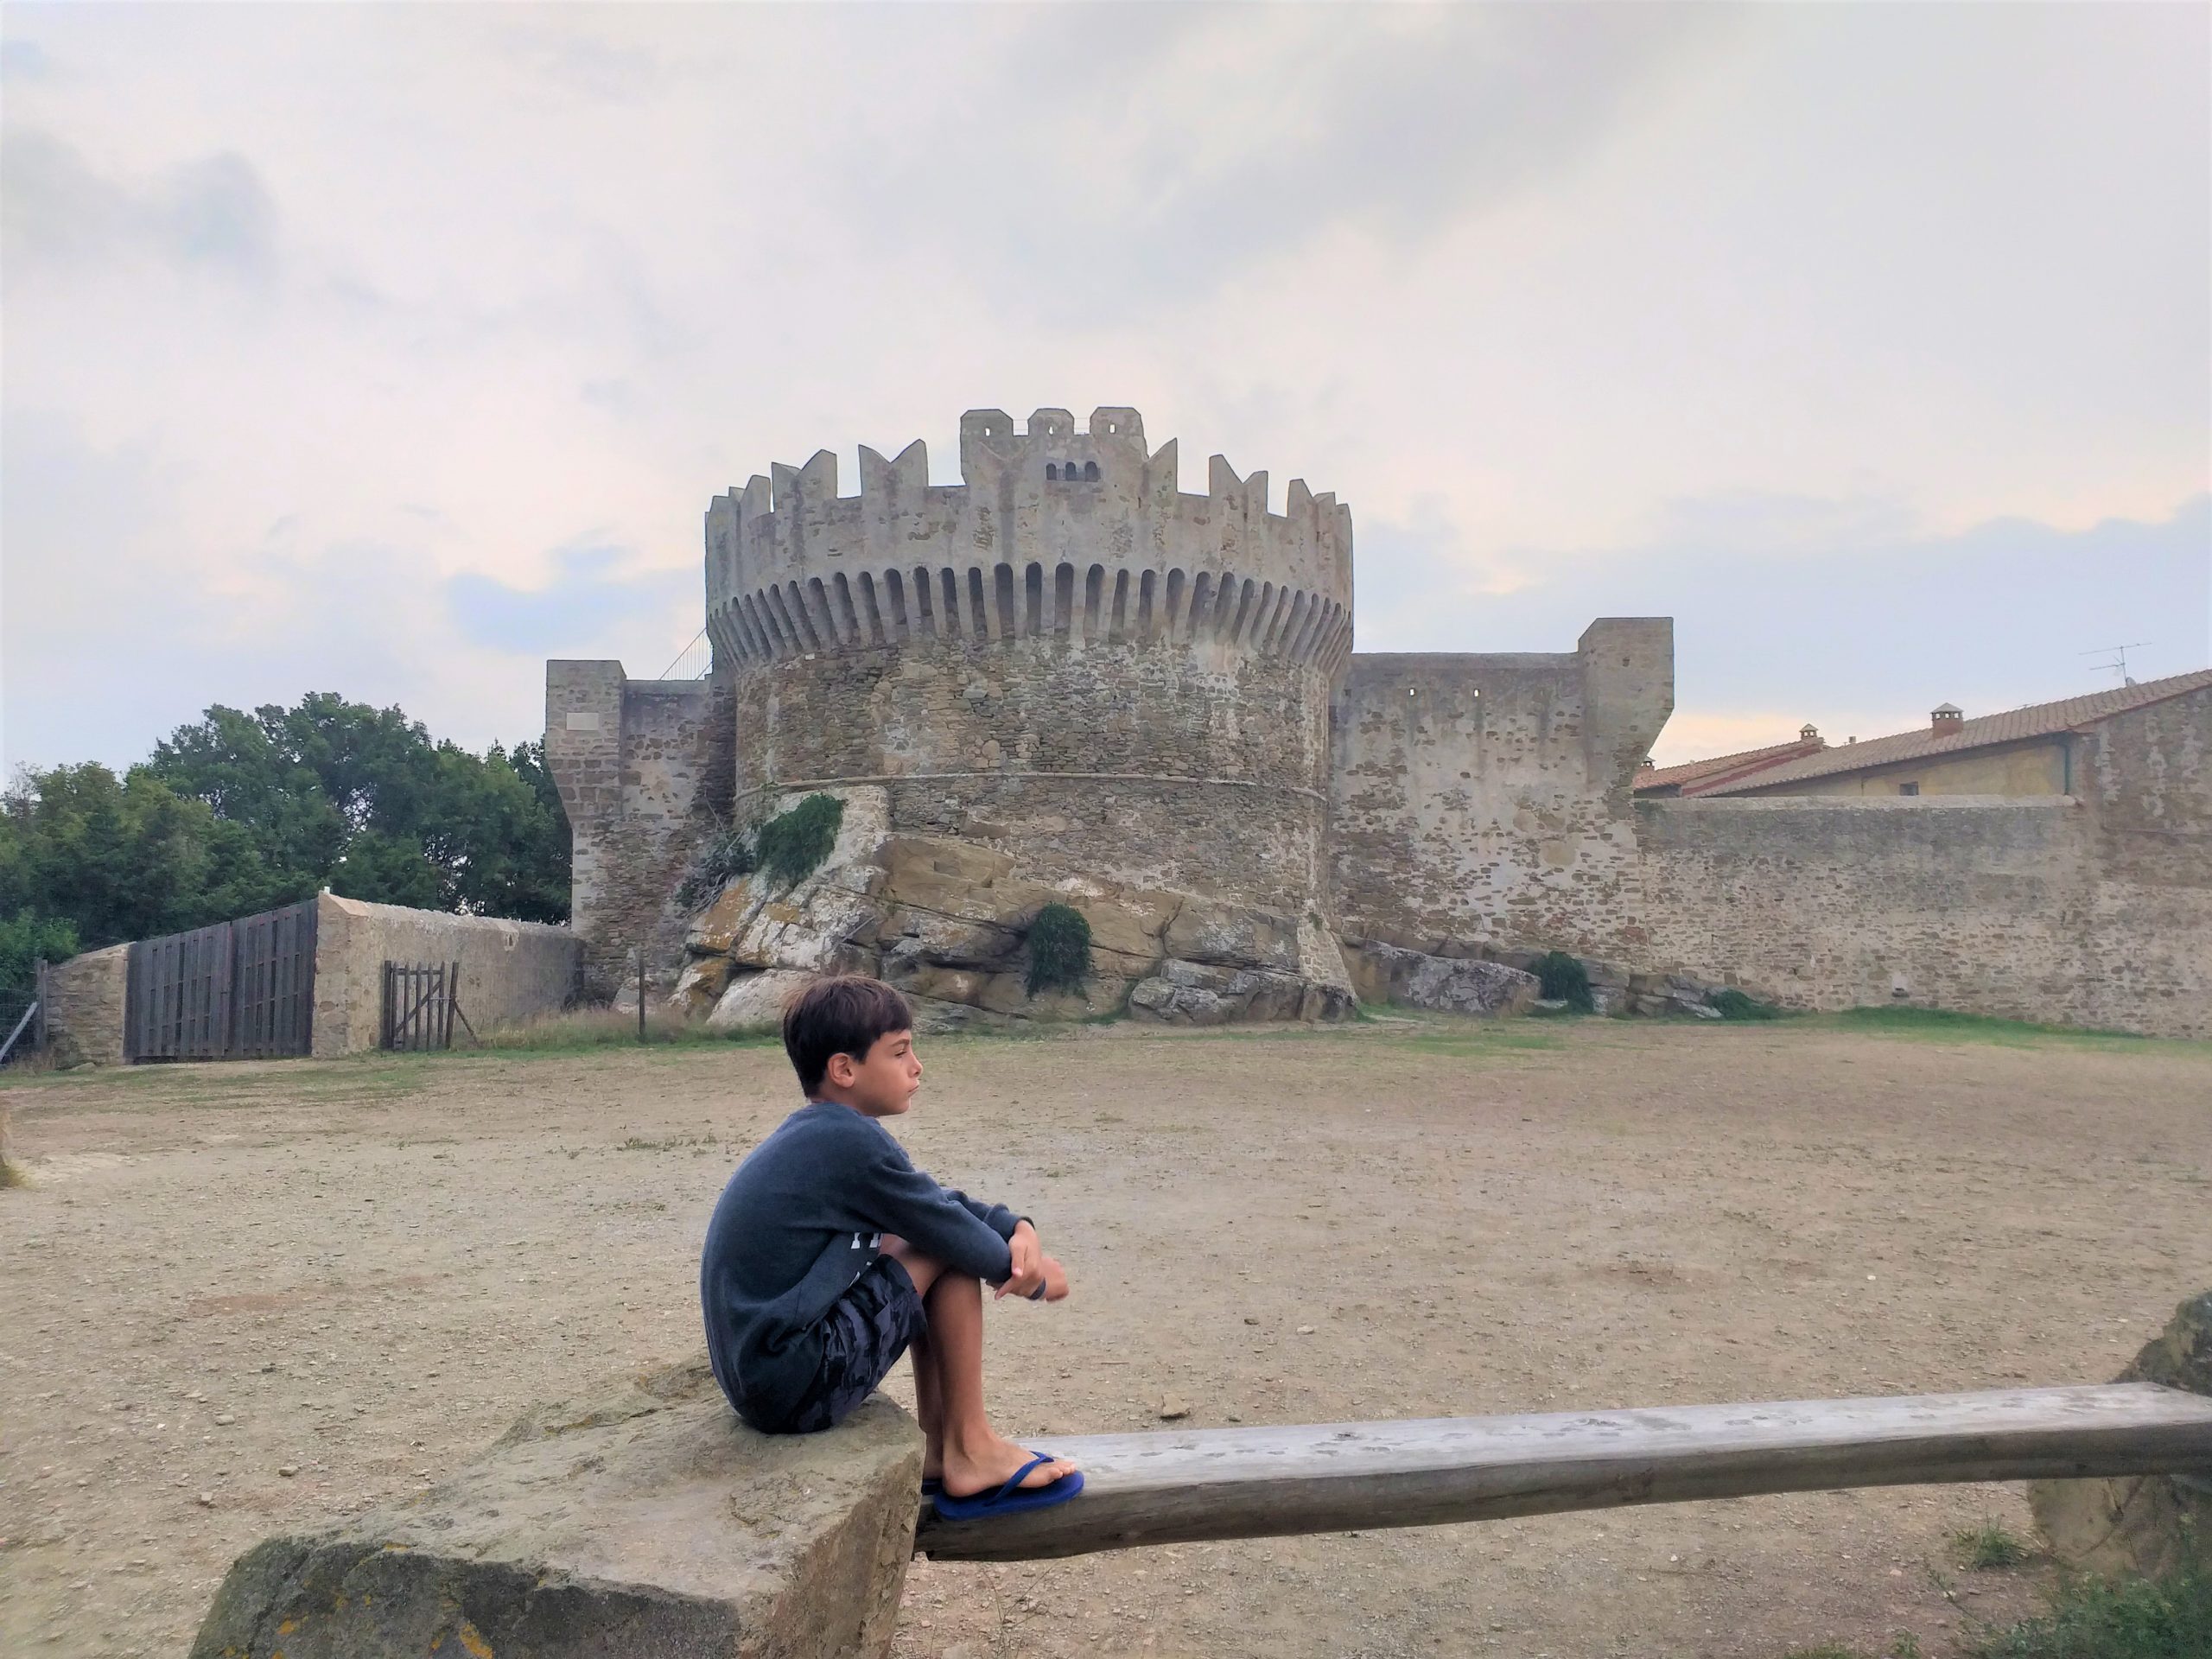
(830,1254)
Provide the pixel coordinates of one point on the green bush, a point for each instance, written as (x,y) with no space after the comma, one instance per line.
(792,845)
(1732,1004)
(1563,978)
(1059,950)
(721,858)
(1988,1547)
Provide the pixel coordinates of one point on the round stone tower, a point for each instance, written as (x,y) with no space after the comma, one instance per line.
(1063,657)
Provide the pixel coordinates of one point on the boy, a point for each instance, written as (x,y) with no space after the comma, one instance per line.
(830,1254)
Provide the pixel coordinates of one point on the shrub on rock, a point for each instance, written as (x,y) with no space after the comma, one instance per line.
(792,845)
(1563,978)
(1059,950)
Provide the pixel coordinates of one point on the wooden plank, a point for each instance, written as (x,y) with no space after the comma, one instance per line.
(1252,1483)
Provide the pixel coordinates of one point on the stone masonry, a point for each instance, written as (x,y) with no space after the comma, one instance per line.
(1111,687)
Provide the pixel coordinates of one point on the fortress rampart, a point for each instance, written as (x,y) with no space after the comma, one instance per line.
(1115,686)
(1064,657)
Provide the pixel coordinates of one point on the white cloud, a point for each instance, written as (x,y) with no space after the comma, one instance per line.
(1546,293)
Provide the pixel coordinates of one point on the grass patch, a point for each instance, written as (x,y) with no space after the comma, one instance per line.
(2169,1617)
(1950,1024)
(1988,1548)
(588,1028)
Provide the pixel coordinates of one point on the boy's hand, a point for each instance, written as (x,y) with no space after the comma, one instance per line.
(1028,1263)
(1056,1282)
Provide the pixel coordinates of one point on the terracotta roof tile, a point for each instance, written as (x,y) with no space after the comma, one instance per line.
(2038,720)
(1691,772)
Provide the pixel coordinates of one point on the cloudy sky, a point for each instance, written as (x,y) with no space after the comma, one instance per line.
(390,351)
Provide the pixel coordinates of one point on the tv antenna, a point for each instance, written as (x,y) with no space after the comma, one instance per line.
(2118,655)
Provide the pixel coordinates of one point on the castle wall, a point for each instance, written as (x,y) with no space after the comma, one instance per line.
(642,768)
(1976,903)
(1063,657)
(1150,764)
(1486,799)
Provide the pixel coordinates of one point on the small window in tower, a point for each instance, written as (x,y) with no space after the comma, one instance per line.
(1908,789)
(1090,472)
(1051,471)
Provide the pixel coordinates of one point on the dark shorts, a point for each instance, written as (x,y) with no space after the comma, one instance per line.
(862,1335)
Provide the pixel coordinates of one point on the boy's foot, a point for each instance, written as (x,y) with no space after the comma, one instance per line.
(995,1464)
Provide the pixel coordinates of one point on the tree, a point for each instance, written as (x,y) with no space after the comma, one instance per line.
(241,812)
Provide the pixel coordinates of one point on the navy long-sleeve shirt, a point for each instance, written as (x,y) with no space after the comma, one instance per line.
(798,1222)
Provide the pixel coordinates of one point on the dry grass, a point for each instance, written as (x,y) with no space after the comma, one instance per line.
(580,1028)
(11,1172)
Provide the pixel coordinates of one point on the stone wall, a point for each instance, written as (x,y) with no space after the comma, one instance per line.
(1976,903)
(84,1017)
(509,971)
(1161,764)
(2094,909)
(644,767)
(1487,798)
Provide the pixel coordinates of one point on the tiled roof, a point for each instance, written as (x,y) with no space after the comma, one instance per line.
(1691,772)
(2038,720)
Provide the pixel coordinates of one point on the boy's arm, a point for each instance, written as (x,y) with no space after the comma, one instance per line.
(962,1235)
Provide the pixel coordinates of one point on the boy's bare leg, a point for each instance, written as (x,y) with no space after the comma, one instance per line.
(965,1450)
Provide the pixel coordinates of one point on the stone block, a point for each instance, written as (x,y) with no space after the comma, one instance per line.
(1448,984)
(700,986)
(1650,1006)
(2142,1524)
(1008,993)
(1610,1001)
(645,1520)
(1611,975)
(1206,929)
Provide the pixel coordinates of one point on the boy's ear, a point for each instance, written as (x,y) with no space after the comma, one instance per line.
(842,1070)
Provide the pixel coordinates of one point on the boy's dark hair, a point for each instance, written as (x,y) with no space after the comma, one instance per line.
(843,1014)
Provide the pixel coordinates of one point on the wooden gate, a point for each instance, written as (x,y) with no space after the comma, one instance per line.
(420,1000)
(237,990)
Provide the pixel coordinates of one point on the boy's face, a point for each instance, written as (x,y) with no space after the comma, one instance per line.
(882,1082)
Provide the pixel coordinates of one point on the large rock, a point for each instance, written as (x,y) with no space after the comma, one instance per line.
(2143,1524)
(644,1523)
(754,1001)
(1233,936)
(1389,973)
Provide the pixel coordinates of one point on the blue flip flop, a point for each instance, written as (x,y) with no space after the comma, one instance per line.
(1012,1499)
(932,1485)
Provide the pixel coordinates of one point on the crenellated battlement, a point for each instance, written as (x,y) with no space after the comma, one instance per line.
(1086,536)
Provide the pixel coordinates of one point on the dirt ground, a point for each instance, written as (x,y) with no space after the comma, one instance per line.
(246,1297)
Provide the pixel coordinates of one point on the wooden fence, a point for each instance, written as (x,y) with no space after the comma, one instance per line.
(237,990)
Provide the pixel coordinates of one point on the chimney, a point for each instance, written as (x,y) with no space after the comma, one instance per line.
(1810,733)
(1946,718)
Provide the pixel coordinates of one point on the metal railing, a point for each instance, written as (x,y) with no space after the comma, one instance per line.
(695,662)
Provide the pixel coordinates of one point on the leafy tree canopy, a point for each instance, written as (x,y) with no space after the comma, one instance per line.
(239,812)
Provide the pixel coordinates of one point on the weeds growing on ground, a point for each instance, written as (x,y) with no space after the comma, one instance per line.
(2168,1618)
(1988,1547)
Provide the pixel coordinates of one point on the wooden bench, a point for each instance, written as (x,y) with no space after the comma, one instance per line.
(1181,1486)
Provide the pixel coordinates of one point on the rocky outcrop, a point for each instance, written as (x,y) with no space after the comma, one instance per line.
(946,921)
(1382,971)
(645,1520)
(1389,973)
(2145,1524)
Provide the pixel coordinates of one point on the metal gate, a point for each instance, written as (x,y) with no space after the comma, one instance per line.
(237,990)
(420,1001)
